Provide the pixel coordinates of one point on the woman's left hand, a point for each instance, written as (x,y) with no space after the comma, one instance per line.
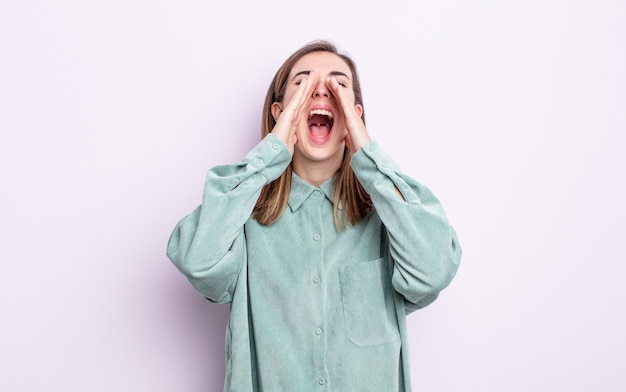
(356,133)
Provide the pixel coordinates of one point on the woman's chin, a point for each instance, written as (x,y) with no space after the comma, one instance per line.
(320,152)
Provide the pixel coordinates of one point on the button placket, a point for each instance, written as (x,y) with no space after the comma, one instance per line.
(317,332)
(318,195)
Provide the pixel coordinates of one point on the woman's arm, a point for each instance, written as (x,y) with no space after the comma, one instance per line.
(422,244)
(424,247)
(208,245)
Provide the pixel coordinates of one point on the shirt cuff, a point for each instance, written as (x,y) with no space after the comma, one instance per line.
(270,157)
(377,171)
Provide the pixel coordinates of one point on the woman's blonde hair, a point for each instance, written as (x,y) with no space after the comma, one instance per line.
(349,193)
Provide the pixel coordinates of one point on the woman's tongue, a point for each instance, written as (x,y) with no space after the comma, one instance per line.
(319,132)
(319,127)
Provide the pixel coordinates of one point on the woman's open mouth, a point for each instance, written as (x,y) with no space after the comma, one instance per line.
(320,123)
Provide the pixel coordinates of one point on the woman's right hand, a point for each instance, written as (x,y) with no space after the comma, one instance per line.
(293,111)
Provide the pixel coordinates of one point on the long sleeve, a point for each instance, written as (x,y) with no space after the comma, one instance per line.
(208,245)
(423,245)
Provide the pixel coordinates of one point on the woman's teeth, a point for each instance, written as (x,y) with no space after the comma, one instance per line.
(323,112)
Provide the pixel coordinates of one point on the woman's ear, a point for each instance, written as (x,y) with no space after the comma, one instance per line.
(277,109)
(359,109)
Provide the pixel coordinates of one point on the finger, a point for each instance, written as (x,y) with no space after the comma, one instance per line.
(337,89)
(311,83)
(298,102)
(339,92)
(354,123)
(307,91)
(305,97)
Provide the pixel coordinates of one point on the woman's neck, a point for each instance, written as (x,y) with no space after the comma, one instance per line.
(314,172)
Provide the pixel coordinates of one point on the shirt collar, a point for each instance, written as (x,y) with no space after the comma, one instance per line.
(301,190)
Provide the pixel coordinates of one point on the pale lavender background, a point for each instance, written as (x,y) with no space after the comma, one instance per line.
(112,111)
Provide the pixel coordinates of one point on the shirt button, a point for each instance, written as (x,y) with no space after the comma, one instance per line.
(259,161)
(322,381)
(275,146)
(318,331)
(316,280)
(316,237)
(317,193)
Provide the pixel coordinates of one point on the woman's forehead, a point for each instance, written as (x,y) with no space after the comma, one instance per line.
(322,62)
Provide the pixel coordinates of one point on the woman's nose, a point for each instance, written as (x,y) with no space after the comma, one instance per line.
(321,90)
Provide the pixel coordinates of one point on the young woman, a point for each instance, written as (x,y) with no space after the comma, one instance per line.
(318,241)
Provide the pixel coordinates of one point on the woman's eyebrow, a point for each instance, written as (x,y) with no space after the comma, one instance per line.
(339,73)
(308,72)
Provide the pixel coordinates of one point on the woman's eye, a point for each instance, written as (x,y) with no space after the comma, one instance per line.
(342,84)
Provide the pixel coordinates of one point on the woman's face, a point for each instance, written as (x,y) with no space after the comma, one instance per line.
(321,138)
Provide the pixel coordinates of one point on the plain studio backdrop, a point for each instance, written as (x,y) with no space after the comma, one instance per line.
(111,112)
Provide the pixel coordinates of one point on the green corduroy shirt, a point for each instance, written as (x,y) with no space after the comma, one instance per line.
(313,308)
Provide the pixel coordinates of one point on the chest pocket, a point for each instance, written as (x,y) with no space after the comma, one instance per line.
(368,304)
